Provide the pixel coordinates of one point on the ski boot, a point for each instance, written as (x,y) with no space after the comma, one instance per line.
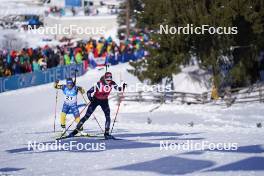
(107,135)
(82,133)
(63,131)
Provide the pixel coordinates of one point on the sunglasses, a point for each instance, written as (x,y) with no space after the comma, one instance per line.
(108,78)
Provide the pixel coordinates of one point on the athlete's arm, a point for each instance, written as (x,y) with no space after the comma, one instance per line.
(89,93)
(115,86)
(81,90)
(119,88)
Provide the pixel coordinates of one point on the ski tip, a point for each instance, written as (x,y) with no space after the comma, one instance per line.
(112,138)
(64,137)
(57,139)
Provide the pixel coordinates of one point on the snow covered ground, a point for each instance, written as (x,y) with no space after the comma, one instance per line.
(27,115)
(192,79)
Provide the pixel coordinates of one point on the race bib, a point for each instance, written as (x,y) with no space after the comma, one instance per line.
(70,99)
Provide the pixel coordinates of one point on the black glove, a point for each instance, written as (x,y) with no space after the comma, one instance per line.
(124,86)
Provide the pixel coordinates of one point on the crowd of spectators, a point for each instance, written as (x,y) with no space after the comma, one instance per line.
(38,59)
(88,10)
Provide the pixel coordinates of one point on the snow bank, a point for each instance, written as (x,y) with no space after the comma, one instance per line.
(192,79)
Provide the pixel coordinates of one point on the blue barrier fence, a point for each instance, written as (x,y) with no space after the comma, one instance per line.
(73,3)
(39,77)
(59,73)
(119,58)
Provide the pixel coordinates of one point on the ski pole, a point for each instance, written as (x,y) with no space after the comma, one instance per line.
(93,115)
(67,129)
(84,99)
(106,66)
(122,95)
(75,76)
(83,109)
(55,117)
(98,123)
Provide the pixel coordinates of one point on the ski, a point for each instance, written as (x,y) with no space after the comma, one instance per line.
(100,137)
(79,136)
(111,138)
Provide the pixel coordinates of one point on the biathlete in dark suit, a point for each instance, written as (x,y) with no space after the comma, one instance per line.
(100,98)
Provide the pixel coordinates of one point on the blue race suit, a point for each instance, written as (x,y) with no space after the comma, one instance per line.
(70,100)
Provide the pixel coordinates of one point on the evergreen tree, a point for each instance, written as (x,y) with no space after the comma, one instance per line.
(165,59)
(211,50)
(134,7)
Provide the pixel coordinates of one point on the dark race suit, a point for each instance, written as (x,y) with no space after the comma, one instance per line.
(100,98)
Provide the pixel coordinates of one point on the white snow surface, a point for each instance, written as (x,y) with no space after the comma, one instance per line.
(192,79)
(21,7)
(28,114)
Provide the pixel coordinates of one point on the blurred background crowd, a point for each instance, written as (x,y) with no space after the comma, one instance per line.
(29,60)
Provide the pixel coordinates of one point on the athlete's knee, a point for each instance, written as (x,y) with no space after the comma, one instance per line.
(79,123)
(107,111)
(82,121)
(88,114)
(86,117)
(77,119)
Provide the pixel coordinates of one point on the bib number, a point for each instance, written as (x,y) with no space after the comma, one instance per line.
(70,99)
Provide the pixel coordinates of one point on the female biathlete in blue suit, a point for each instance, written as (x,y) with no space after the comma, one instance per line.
(70,91)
